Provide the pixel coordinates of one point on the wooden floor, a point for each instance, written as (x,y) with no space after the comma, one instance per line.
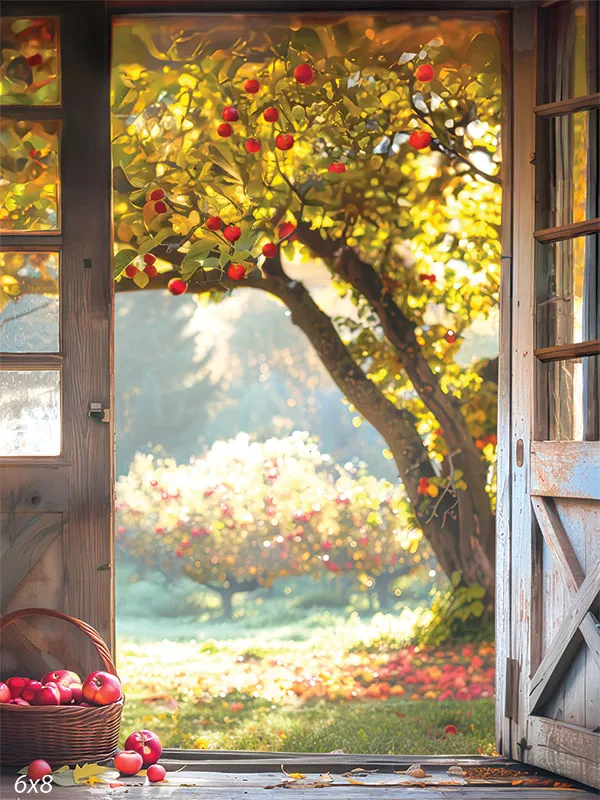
(261,779)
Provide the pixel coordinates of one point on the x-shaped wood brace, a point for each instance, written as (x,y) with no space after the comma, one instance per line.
(578,618)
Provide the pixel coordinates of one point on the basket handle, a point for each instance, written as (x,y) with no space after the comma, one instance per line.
(91,633)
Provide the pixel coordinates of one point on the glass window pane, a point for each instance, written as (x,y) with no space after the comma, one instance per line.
(30,412)
(570,396)
(568,185)
(29,312)
(29,176)
(567,302)
(29,72)
(569,42)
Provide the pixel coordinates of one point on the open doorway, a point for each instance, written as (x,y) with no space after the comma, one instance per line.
(306,404)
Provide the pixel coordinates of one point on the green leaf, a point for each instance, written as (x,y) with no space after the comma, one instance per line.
(455,578)
(476,592)
(477,608)
(153,241)
(123,259)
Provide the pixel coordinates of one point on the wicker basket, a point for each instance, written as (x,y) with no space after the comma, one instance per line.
(59,734)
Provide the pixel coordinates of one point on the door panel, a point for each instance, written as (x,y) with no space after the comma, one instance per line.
(553,667)
(55,333)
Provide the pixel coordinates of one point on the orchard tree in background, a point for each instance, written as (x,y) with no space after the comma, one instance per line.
(247,513)
(369,142)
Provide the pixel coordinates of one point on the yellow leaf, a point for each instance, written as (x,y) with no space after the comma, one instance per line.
(432,490)
(141,279)
(82,773)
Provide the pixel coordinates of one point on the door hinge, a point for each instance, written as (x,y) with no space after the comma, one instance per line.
(511,693)
(97,412)
(523,746)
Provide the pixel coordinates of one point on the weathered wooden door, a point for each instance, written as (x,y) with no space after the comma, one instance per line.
(55,329)
(549,560)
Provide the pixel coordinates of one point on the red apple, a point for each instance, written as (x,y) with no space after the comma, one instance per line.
(16,686)
(424,73)
(64,676)
(156,773)
(131,271)
(214,223)
(4,693)
(419,140)
(285,141)
(48,695)
(336,166)
(18,701)
(30,690)
(304,74)
(76,692)
(38,769)
(252,86)
(157,194)
(101,688)
(269,250)
(252,145)
(286,230)
(128,762)
(147,744)
(176,286)
(151,271)
(160,207)
(224,130)
(230,114)
(232,233)
(65,693)
(236,272)
(271,114)
(34,60)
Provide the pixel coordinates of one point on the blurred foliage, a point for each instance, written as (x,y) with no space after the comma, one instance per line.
(247,513)
(29,62)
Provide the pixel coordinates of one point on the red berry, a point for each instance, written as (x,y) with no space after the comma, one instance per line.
(336,166)
(230,114)
(450,336)
(214,223)
(156,773)
(224,130)
(269,250)
(252,145)
(252,86)
(160,207)
(271,114)
(451,730)
(35,60)
(304,74)
(232,233)
(176,286)
(149,259)
(151,271)
(131,271)
(157,194)
(236,272)
(286,230)
(285,141)
(424,73)
(420,139)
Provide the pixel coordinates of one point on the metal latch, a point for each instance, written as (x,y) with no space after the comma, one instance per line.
(99,413)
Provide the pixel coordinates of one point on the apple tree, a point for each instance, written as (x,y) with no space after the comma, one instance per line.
(371,143)
(248,513)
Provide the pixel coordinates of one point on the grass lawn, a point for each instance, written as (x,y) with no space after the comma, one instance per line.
(327,682)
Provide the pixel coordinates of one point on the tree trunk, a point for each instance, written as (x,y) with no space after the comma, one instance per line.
(382,590)
(227,593)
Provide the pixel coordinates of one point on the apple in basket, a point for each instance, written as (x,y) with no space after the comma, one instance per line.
(4,693)
(30,691)
(64,676)
(16,686)
(48,695)
(147,744)
(101,688)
